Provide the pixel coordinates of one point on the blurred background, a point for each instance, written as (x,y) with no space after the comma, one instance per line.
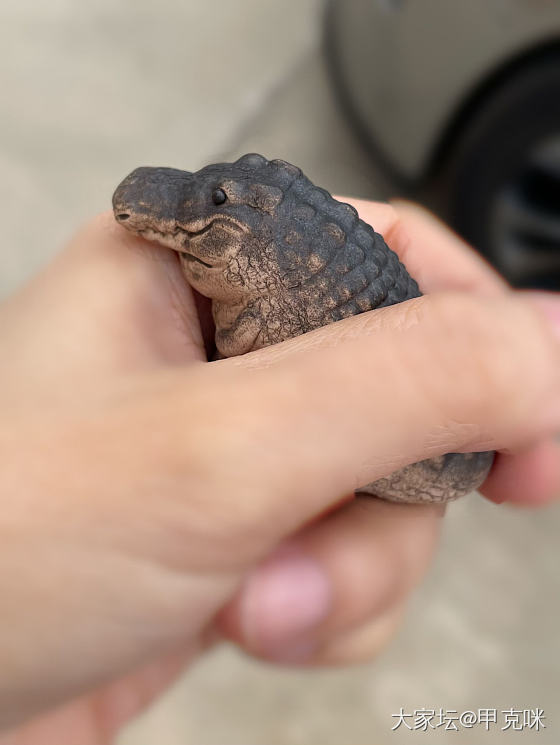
(455,104)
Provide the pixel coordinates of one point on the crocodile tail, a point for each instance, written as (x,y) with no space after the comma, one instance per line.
(440,479)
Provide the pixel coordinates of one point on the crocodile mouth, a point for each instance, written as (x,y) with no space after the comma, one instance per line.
(180,237)
(192,235)
(192,259)
(209,225)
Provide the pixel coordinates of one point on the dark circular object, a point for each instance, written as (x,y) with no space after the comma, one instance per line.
(501,183)
(219,196)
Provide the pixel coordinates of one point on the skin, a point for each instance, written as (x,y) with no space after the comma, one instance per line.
(280,257)
(149,553)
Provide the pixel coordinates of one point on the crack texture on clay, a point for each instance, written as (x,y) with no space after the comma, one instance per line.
(279,256)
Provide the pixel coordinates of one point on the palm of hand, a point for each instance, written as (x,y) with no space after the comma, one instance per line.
(136,313)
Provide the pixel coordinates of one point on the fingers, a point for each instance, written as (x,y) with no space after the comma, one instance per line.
(439,259)
(451,358)
(445,261)
(530,477)
(334,592)
(361,644)
(432,252)
(338,408)
(436,256)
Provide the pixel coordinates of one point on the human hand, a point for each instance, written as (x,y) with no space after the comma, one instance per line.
(152,502)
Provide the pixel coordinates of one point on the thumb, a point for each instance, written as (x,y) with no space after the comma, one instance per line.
(299,425)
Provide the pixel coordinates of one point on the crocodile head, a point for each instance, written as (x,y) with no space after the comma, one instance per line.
(220,220)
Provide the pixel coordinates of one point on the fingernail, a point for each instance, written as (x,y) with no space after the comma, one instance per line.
(549,303)
(283,602)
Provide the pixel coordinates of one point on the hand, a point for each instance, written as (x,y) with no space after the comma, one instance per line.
(152,502)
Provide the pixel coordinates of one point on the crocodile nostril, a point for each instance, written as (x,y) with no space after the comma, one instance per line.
(122,216)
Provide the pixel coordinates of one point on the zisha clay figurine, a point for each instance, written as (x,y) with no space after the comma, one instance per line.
(279,257)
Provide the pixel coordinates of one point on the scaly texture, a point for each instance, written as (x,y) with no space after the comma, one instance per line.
(279,257)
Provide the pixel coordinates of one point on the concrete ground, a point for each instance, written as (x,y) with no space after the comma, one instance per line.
(91,90)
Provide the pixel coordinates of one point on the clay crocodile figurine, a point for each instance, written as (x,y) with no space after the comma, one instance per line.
(279,257)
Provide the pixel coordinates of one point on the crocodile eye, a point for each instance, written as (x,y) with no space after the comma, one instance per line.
(219,196)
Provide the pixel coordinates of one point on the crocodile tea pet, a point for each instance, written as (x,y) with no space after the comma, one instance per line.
(278,256)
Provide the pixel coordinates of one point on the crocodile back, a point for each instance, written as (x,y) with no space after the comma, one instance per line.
(334,263)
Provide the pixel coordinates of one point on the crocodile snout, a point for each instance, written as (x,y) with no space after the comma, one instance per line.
(149,196)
